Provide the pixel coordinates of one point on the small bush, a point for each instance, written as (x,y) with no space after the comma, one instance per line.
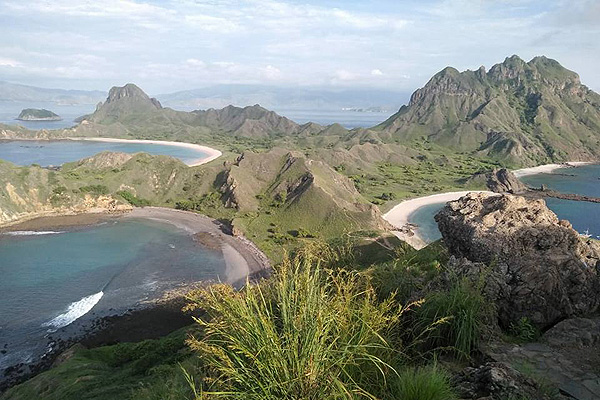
(425,383)
(133,199)
(459,314)
(524,330)
(96,190)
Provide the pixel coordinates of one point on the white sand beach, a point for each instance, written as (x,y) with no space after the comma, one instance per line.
(399,216)
(548,168)
(212,154)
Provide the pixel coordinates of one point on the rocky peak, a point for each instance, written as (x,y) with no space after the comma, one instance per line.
(539,267)
(130,92)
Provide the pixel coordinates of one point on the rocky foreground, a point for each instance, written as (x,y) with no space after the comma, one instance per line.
(533,267)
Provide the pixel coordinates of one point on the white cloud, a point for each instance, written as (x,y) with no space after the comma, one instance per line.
(187,43)
(8,62)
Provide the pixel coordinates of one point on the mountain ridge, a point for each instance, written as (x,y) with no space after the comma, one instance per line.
(537,109)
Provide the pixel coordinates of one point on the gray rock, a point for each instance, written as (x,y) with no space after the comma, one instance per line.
(539,267)
(495,381)
(580,332)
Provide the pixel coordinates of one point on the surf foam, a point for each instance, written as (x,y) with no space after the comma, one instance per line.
(31,233)
(74,311)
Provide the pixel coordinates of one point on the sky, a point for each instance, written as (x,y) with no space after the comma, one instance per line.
(171,45)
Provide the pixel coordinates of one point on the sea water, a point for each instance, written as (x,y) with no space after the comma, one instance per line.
(58,152)
(584,216)
(50,279)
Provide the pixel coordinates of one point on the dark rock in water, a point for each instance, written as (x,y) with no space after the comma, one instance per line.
(540,268)
(495,381)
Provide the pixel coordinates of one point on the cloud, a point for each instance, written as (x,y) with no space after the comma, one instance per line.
(182,44)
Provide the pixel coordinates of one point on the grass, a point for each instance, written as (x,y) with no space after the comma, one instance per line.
(463,313)
(145,370)
(422,383)
(308,333)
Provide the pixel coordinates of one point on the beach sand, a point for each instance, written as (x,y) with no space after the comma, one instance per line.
(212,154)
(548,168)
(399,216)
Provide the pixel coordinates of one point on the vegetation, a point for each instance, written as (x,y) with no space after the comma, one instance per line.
(150,369)
(422,383)
(133,199)
(308,333)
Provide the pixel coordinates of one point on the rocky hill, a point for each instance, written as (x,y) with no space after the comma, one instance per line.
(519,112)
(128,111)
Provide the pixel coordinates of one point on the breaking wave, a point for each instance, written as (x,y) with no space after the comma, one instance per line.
(74,311)
(31,233)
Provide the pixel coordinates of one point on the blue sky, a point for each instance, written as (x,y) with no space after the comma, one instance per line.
(172,45)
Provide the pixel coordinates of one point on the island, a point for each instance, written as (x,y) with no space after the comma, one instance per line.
(36,114)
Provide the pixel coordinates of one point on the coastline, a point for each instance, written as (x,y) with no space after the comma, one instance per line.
(147,318)
(548,168)
(399,215)
(212,154)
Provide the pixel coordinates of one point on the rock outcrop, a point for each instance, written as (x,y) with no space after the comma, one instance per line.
(537,266)
(495,381)
(500,181)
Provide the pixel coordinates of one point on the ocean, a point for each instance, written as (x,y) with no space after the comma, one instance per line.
(52,278)
(584,216)
(58,152)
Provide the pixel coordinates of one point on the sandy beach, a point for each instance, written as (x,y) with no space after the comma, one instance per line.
(548,168)
(399,216)
(212,154)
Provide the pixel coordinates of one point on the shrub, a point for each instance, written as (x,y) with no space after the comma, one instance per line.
(424,383)
(133,199)
(461,314)
(524,330)
(94,189)
(307,333)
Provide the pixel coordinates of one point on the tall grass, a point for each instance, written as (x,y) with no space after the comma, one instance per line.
(423,383)
(307,333)
(464,312)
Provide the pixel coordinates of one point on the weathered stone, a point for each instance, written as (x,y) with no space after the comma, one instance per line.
(538,268)
(580,332)
(496,381)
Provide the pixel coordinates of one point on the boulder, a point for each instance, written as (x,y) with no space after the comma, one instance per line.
(495,381)
(504,181)
(542,269)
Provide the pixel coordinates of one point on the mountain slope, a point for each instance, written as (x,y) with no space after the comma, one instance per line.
(128,111)
(522,113)
(24,93)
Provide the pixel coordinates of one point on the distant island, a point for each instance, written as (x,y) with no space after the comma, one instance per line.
(36,114)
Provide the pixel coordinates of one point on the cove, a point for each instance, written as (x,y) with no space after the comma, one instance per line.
(57,152)
(52,278)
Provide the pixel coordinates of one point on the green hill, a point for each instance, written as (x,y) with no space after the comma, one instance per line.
(517,112)
(34,114)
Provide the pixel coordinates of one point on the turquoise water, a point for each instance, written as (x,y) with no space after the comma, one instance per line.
(58,152)
(584,216)
(50,279)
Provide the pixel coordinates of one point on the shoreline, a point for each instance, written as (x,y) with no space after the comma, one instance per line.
(399,215)
(212,154)
(549,168)
(142,320)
